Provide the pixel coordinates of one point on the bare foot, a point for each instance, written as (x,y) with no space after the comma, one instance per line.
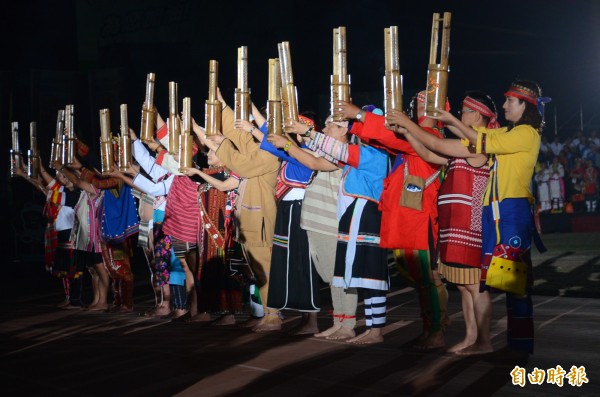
(475,348)
(328,331)
(199,318)
(459,346)
(368,337)
(432,342)
(181,318)
(342,334)
(268,323)
(226,319)
(162,310)
(70,307)
(98,307)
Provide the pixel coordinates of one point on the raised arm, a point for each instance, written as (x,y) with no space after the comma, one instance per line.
(258,117)
(70,175)
(305,157)
(411,131)
(423,152)
(457,127)
(224,186)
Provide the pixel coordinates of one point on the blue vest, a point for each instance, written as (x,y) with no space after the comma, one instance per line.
(366,181)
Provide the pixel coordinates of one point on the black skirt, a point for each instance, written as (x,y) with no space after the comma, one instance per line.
(294,282)
(360,262)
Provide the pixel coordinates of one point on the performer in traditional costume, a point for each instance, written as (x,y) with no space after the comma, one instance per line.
(294,283)
(507,212)
(319,219)
(255,207)
(409,199)
(360,261)
(460,209)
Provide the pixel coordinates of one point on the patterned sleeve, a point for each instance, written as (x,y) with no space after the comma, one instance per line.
(99,183)
(334,149)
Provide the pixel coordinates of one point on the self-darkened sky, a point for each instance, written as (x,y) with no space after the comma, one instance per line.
(553,42)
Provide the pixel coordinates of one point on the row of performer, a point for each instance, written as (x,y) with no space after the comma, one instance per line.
(278,213)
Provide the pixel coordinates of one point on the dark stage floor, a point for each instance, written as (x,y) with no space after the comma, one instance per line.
(51,352)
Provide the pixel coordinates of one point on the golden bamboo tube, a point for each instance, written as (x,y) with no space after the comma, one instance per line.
(14,131)
(289,104)
(124,153)
(68,150)
(186,153)
(242,94)
(148,112)
(185,138)
(242,105)
(124,141)
(106,156)
(106,145)
(274,110)
(15,162)
(392,81)
(124,120)
(15,154)
(56,148)
(33,158)
(212,108)
(187,115)
(340,80)
(174,125)
(285,63)
(274,93)
(437,73)
(68,143)
(289,96)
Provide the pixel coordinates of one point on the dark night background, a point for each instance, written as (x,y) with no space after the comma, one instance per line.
(96,54)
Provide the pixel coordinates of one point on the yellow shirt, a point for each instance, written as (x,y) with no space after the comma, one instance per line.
(516,152)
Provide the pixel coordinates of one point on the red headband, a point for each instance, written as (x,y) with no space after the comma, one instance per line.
(483,110)
(524,93)
(307,121)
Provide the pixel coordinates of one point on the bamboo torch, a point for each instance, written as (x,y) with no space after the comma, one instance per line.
(56,149)
(174,126)
(289,95)
(392,82)
(106,144)
(15,153)
(148,112)
(437,74)
(185,139)
(212,114)
(33,156)
(274,111)
(242,93)
(340,79)
(68,144)
(124,141)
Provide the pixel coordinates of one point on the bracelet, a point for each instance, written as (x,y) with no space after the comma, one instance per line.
(287,146)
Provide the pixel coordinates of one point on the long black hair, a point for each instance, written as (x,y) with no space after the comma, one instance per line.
(531,115)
